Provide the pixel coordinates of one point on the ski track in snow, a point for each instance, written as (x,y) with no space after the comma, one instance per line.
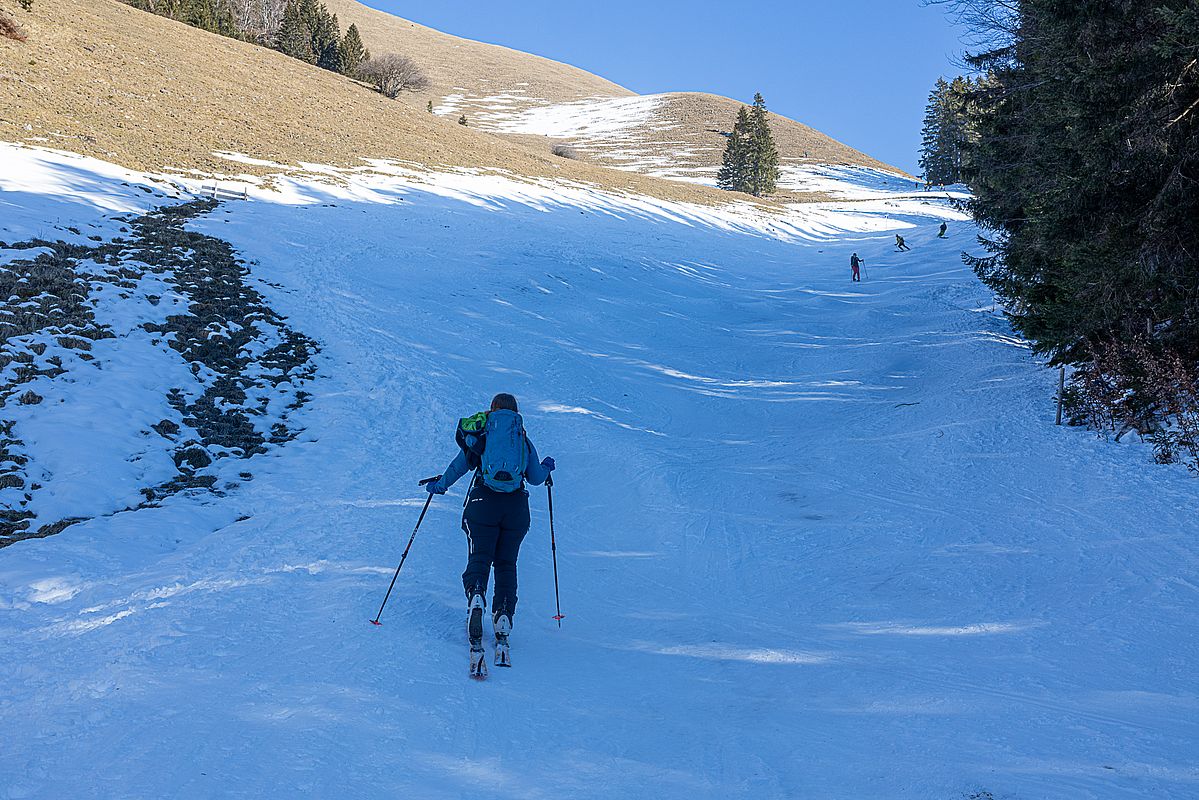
(816,539)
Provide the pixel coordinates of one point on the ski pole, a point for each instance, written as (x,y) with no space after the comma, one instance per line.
(411,539)
(549,488)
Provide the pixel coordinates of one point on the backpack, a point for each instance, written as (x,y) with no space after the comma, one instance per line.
(495,446)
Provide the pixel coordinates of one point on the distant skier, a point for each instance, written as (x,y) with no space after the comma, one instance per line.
(495,516)
(944,227)
(855,264)
(899,242)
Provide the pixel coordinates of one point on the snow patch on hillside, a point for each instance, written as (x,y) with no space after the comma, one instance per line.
(594,120)
(614,131)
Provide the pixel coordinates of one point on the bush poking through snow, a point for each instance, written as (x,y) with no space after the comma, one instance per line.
(565,151)
(392,74)
(462,120)
(1140,387)
(11,29)
(27,5)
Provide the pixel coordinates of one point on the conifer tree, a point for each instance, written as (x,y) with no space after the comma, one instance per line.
(462,120)
(763,156)
(353,53)
(326,37)
(295,39)
(330,57)
(210,15)
(949,129)
(323,35)
(734,170)
(1083,164)
(933,160)
(750,162)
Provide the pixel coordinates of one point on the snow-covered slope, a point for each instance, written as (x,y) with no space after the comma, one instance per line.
(816,539)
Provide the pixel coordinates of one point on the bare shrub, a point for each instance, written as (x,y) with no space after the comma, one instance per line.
(259,20)
(392,73)
(1175,388)
(565,151)
(1135,386)
(11,29)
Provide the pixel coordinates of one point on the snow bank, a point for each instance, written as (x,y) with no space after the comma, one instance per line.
(815,538)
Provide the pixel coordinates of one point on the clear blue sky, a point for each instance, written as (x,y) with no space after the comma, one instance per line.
(859,70)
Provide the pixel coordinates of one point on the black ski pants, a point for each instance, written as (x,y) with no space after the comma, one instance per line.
(495,524)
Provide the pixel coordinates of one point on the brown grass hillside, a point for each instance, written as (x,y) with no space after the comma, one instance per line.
(482,69)
(701,116)
(103,79)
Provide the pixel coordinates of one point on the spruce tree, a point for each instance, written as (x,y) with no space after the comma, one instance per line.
(326,38)
(750,162)
(330,57)
(295,39)
(210,15)
(1083,164)
(933,159)
(955,127)
(950,127)
(763,156)
(734,170)
(353,53)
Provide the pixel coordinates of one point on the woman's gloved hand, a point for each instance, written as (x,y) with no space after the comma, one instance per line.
(548,463)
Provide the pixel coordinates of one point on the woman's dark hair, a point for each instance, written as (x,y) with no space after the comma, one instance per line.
(504,401)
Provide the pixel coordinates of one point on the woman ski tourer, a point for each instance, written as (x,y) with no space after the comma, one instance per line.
(495,516)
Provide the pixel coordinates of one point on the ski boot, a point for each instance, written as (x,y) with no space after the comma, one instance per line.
(503,626)
(474,632)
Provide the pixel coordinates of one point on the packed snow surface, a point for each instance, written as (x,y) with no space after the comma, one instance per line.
(816,539)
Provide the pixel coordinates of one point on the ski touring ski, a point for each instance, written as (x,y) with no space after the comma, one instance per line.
(503,626)
(478,663)
(474,632)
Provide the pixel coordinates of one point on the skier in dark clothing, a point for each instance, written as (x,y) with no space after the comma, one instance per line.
(899,243)
(855,264)
(495,516)
(944,227)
